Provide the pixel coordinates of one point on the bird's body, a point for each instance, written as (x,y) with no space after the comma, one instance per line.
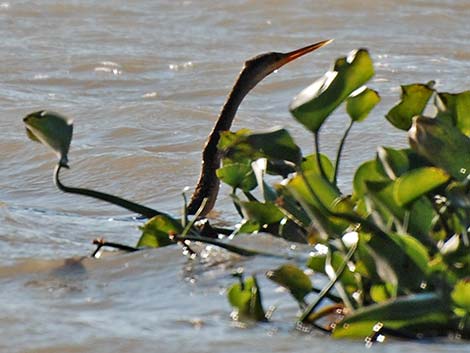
(254,70)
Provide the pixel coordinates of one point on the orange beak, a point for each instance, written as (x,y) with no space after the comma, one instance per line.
(288,57)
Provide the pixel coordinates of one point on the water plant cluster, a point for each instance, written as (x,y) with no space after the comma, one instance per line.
(395,253)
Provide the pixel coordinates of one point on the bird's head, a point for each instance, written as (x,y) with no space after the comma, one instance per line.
(257,68)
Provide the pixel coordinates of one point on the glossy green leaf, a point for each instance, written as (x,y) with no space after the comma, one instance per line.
(414,99)
(262,213)
(416,218)
(416,183)
(246,300)
(442,144)
(294,279)
(399,314)
(314,104)
(461,295)
(51,129)
(237,175)
(456,106)
(156,232)
(359,105)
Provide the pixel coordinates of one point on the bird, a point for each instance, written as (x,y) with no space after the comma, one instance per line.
(55,131)
(254,71)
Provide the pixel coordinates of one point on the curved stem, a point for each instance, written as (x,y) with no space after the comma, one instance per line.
(318,156)
(340,150)
(129,205)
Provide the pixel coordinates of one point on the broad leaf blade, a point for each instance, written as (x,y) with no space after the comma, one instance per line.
(156,232)
(417,183)
(361,104)
(51,129)
(414,99)
(314,104)
(294,279)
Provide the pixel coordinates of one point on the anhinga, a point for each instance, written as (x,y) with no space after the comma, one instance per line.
(254,70)
(56,132)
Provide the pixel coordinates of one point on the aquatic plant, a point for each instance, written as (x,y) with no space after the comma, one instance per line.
(396,252)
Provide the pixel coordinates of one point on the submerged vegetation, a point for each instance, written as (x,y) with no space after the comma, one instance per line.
(396,252)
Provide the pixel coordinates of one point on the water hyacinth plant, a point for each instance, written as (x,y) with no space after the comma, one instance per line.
(396,252)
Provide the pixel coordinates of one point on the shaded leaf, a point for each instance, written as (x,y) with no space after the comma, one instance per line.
(442,144)
(400,313)
(414,99)
(360,105)
(275,144)
(262,213)
(156,231)
(455,106)
(314,104)
(400,260)
(51,129)
(246,300)
(294,279)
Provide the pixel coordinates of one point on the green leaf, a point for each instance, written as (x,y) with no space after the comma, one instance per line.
(456,106)
(416,183)
(51,129)
(310,163)
(275,144)
(382,292)
(314,104)
(327,197)
(414,99)
(262,213)
(394,162)
(367,172)
(461,295)
(156,231)
(246,300)
(359,105)
(442,144)
(400,313)
(316,262)
(416,218)
(237,175)
(294,279)
(400,260)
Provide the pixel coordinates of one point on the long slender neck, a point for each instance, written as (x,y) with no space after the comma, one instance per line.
(129,205)
(208,183)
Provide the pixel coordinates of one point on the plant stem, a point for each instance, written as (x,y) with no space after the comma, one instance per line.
(340,151)
(229,247)
(115,200)
(318,156)
(311,308)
